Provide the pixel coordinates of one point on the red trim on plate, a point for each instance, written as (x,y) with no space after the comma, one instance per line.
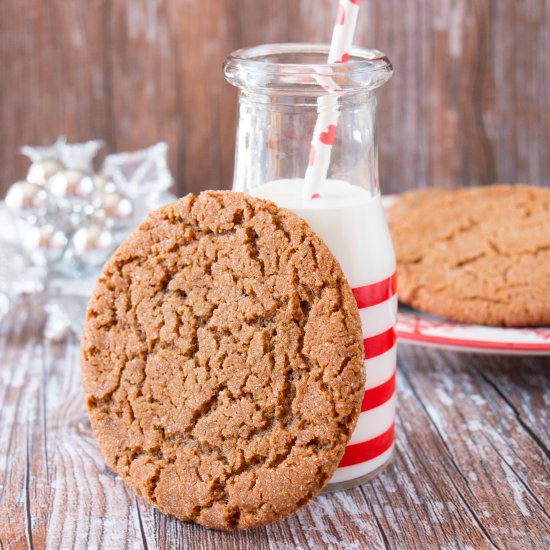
(367,450)
(480,344)
(374,397)
(379,344)
(376,293)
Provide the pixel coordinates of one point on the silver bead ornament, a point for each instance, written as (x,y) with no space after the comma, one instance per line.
(74,216)
(93,244)
(82,215)
(103,183)
(44,244)
(99,215)
(71,184)
(117,208)
(41,171)
(27,198)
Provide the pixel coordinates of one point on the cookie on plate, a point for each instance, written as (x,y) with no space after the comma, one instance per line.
(417,198)
(222,361)
(475,255)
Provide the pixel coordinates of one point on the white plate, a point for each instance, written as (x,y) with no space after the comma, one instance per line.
(418,328)
(414,327)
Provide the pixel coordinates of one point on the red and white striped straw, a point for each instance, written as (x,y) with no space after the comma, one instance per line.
(327,105)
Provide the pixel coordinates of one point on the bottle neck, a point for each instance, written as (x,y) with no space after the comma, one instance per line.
(275,130)
(271,100)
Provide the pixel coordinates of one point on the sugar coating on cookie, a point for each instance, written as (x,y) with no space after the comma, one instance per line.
(475,255)
(222,361)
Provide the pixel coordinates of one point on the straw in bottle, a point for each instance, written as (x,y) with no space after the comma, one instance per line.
(327,105)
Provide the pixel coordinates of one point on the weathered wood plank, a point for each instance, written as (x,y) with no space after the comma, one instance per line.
(52,77)
(55,491)
(519,386)
(499,469)
(20,390)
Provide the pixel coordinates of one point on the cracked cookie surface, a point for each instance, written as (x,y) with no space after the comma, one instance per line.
(222,361)
(475,255)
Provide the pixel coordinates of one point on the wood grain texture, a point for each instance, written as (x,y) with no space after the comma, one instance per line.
(471,470)
(469,103)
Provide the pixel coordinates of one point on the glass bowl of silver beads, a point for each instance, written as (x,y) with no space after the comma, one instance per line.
(64,220)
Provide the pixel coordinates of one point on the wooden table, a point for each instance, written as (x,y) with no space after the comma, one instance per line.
(471,469)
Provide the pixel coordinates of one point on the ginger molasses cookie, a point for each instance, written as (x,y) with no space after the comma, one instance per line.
(417,198)
(222,361)
(476,255)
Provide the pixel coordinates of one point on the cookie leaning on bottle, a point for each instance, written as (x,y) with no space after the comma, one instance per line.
(222,361)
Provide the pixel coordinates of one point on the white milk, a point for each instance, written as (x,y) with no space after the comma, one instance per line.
(352,224)
(348,219)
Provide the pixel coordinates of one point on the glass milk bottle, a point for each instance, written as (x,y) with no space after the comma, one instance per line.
(279,85)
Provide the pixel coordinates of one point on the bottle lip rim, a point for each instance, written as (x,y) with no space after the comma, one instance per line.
(366,68)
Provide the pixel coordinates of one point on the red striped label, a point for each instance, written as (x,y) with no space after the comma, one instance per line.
(377,396)
(371,295)
(361,452)
(376,345)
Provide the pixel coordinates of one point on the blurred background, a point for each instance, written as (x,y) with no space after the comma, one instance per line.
(469,103)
